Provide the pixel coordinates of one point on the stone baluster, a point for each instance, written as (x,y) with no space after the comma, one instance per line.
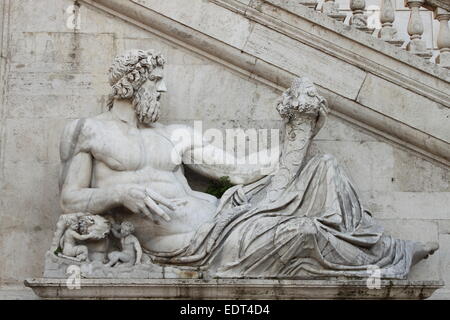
(331,9)
(416,45)
(359,19)
(443,40)
(387,17)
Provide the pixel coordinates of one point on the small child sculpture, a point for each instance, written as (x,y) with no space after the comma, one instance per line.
(68,242)
(131,253)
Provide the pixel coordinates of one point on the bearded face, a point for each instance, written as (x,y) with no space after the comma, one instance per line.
(138,75)
(146,104)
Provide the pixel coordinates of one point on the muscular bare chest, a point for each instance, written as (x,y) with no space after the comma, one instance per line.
(124,148)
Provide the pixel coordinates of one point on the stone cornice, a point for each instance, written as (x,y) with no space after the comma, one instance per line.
(444,4)
(403,70)
(262,11)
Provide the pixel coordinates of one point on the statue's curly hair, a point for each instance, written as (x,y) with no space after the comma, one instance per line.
(129,71)
(301,97)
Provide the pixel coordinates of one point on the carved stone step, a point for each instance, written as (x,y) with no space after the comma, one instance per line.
(397,43)
(366,29)
(338,17)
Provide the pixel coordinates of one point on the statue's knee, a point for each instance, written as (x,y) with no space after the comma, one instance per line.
(112,255)
(83,256)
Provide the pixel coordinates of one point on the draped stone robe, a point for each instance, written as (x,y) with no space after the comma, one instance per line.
(314,226)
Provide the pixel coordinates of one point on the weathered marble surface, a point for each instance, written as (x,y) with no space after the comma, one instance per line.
(286,217)
(296,36)
(233,289)
(52,78)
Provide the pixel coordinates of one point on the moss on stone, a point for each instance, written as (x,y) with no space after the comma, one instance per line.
(218,187)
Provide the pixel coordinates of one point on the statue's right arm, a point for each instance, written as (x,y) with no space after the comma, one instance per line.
(76,192)
(115,233)
(77,195)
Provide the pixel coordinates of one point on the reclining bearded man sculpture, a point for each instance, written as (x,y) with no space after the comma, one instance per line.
(304,220)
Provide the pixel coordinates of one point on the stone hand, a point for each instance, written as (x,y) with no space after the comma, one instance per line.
(92,235)
(178,202)
(116,226)
(142,200)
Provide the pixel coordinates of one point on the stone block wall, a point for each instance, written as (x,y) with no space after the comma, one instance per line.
(53,73)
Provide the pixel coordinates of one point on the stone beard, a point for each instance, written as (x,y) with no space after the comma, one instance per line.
(146,105)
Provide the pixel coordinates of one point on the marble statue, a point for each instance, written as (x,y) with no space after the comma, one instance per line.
(300,218)
(75,227)
(68,242)
(131,252)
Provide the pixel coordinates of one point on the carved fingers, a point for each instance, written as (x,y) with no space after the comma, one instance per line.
(148,202)
(179,202)
(145,209)
(137,200)
(151,204)
(159,198)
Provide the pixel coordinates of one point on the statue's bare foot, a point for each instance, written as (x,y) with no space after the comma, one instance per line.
(423,251)
(432,247)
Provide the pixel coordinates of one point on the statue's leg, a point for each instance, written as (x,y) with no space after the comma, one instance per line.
(126,259)
(82,253)
(69,251)
(113,258)
(350,218)
(60,228)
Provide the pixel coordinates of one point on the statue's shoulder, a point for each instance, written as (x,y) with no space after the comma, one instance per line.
(177,133)
(78,132)
(85,126)
(172,129)
(131,238)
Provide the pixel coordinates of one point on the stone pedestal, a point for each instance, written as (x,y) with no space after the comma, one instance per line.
(419,48)
(231,289)
(331,9)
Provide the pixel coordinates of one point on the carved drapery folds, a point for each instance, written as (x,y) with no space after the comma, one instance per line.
(303,220)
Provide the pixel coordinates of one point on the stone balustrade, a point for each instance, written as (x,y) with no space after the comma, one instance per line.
(416,45)
(443,40)
(331,8)
(388,32)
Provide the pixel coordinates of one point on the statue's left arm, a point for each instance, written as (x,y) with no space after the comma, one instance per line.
(203,157)
(82,237)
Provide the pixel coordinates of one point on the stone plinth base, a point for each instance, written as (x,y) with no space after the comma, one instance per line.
(231,289)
